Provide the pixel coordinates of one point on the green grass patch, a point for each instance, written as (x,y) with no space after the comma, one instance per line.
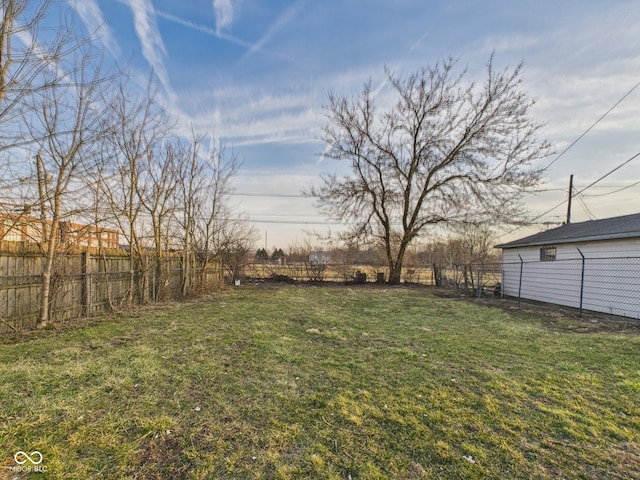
(298,382)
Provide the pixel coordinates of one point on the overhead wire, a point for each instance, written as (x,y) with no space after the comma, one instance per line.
(532,222)
(592,126)
(619,189)
(293,222)
(609,173)
(269,195)
(591,184)
(586,207)
(570,146)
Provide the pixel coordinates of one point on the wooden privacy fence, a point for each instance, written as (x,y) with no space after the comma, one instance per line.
(90,283)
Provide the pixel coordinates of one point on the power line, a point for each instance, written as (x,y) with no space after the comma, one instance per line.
(532,222)
(561,189)
(591,127)
(269,195)
(586,208)
(619,189)
(612,186)
(290,215)
(610,172)
(578,193)
(591,185)
(294,222)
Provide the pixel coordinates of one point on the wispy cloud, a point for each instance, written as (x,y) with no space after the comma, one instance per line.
(505,43)
(253,115)
(246,116)
(224,14)
(283,20)
(418,42)
(146,26)
(93,20)
(203,28)
(215,33)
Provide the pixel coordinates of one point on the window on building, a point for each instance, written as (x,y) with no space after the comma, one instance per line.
(547,254)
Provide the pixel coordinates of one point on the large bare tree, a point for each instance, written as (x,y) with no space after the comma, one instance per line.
(444,152)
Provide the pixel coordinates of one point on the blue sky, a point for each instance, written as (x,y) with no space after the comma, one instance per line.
(257,73)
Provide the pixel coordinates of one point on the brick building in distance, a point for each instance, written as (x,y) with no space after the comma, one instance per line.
(26,228)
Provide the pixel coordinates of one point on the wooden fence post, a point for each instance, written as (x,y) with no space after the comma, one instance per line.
(86,284)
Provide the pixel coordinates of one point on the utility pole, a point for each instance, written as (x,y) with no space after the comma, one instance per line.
(570,196)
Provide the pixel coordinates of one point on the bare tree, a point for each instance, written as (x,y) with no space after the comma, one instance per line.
(158,189)
(23,58)
(25,55)
(474,246)
(443,152)
(343,258)
(216,225)
(137,126)
(477,241)
(65,122)
(234,241)
(192,191)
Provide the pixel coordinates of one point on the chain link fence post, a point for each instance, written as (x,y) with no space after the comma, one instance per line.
(520,281)
(581,280)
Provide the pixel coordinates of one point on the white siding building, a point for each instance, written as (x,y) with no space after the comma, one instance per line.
(592,265)
(320,258)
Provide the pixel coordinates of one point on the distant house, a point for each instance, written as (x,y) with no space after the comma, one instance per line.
(320,257)
(592,265)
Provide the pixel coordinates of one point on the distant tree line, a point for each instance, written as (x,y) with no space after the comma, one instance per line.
(461,250)
(79,141)
(262,256)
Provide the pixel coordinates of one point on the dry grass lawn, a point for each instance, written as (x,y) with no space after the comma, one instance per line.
(292,382)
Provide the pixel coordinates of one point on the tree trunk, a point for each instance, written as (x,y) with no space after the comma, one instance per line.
(395,273)
(465,276)
(145,283)
(395,267)
(132,278)
(49,237)
(186,274)
(437,274)
(45,289)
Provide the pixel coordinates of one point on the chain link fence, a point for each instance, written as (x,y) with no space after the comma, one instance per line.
(608,285)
